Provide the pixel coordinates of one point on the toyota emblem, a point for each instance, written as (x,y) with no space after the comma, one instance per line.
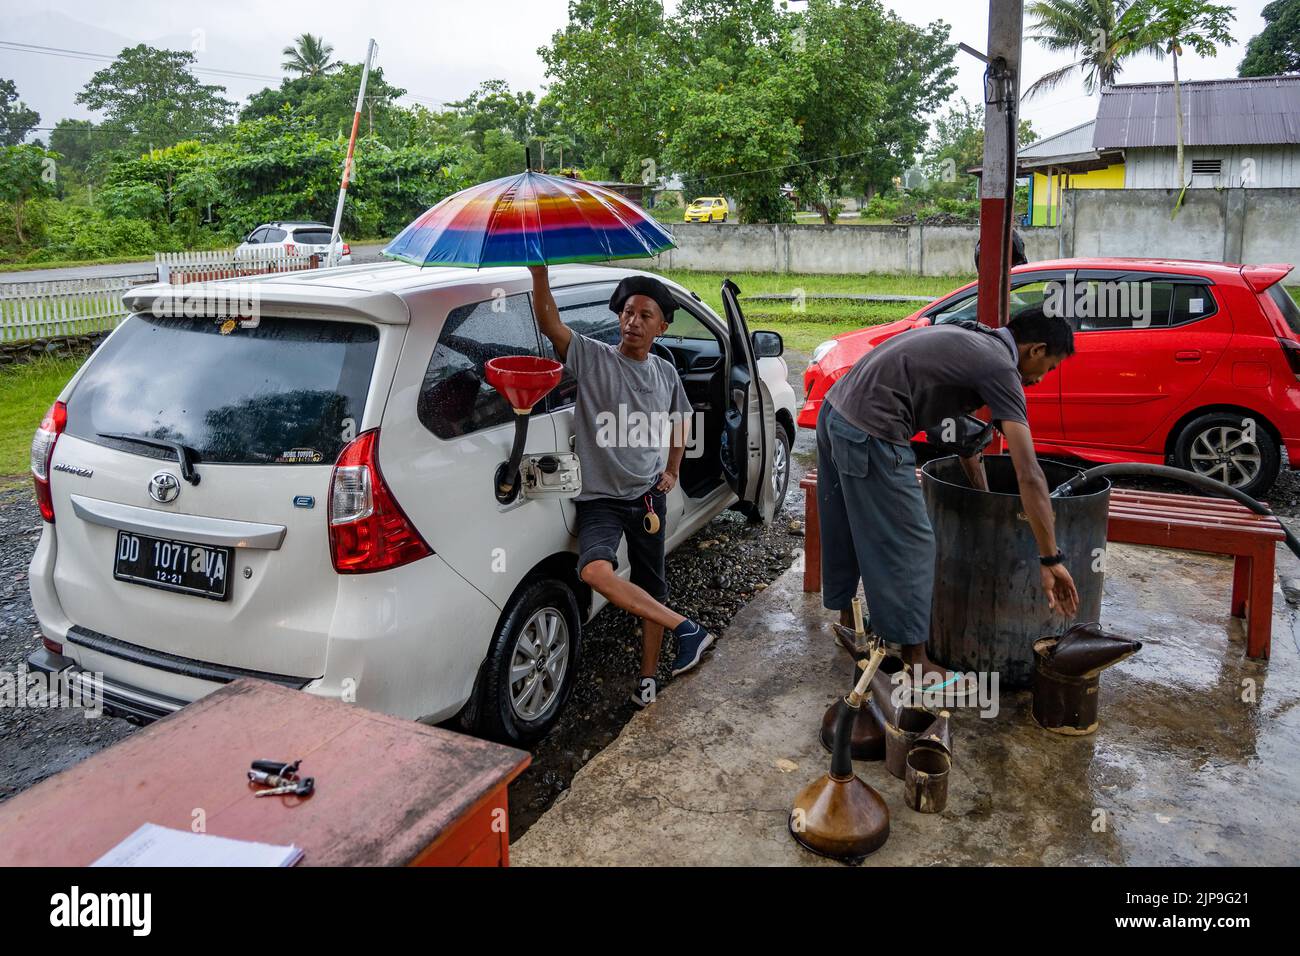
(164,487)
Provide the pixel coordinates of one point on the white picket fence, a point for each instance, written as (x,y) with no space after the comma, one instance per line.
(181,268)
(66,307)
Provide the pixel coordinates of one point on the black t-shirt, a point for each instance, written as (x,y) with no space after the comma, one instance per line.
(921,377)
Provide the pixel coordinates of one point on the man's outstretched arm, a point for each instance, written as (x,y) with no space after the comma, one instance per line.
(1036,497)
(548,314)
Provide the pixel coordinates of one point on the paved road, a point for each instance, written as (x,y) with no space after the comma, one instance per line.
(367,252)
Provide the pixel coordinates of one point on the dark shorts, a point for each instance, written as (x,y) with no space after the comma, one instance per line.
(602,522)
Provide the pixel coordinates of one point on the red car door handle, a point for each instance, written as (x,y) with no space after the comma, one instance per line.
(1191,355)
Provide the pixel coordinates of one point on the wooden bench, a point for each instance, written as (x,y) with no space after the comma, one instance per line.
(1160,520)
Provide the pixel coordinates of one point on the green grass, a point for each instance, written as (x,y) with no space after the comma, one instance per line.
(820,320)
(26,391)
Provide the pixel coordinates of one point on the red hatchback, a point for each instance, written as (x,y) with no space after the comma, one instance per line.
(1194,363)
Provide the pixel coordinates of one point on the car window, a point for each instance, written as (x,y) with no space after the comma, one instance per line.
(290,391)
(274,235)
(258,235)
(1286,305)
(1024,295)
(312,237)
(455,399)
(1142,304)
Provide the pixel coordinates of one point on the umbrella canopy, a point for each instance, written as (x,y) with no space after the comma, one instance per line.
(530,219)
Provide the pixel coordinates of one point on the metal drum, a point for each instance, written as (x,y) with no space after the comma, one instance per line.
(989,607)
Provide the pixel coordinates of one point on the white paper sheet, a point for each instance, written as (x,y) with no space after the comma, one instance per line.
(152,845)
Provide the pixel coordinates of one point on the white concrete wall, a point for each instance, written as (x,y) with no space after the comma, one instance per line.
(1228,225)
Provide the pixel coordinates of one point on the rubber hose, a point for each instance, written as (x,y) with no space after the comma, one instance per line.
(1137,469)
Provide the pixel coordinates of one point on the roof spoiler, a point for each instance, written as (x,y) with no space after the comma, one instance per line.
(1260,278)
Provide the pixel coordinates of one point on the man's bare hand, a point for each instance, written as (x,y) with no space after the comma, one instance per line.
(666,481)
(1062,595)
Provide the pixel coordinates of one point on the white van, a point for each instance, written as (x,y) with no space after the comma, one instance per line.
(304,492)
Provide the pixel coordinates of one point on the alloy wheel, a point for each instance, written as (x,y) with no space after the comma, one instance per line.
(539,663)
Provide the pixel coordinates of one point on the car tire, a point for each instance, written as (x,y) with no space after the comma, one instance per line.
(781,456)
(1212,445)
(503,710)
(724,218)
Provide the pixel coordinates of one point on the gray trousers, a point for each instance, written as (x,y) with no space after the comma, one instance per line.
(874,529)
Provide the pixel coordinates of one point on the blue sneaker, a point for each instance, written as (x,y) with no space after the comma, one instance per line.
(692,642)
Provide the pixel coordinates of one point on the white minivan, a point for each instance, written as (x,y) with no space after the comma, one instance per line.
(304,491)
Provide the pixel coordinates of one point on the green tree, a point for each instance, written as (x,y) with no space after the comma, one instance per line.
(26,172)
(733,88)
(150,96)
(1169,25)
(877,78)
(78,142)
(957,146)
(494,107)
(1099,34)
(309,55)
(330,99)
(16,119)
(608,84)
(1276,49)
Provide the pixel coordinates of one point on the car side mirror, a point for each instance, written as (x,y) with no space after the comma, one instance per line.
(768,344)
(249,238)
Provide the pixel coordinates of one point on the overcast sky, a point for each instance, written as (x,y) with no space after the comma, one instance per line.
(439,50)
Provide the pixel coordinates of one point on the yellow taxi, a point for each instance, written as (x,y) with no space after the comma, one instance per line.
(707,209)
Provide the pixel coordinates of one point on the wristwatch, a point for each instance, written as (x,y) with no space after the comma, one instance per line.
(1058,558)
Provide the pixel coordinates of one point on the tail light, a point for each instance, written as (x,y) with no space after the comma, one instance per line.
(1290,348)
(347,250)
(368,529)
(43,452)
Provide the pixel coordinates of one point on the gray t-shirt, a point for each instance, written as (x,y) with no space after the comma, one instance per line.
(622,419)
(921,377)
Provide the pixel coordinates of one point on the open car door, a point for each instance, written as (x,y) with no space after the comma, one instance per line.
(749,425)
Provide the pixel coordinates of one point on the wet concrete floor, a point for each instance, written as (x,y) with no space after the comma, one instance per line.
(1197,759)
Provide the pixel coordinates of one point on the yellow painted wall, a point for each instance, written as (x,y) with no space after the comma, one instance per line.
(1112,177)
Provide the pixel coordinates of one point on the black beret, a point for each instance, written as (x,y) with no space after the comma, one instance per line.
(647,286)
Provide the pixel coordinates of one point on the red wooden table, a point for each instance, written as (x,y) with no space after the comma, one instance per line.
(389,792)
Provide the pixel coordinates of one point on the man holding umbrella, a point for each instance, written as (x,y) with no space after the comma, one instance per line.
(625,480)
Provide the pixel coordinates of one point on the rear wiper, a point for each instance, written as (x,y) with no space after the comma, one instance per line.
(184,453)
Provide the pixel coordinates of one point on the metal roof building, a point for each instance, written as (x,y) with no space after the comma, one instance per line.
(1252,111)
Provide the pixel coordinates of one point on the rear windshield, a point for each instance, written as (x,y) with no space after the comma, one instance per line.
(1286,305)
(289,391)
(312,237)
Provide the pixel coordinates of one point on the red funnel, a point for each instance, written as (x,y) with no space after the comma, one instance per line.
(523,379)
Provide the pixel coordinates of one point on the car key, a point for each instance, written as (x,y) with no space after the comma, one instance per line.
(299,788)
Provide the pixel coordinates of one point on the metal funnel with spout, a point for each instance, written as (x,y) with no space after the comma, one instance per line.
(523,380)
(1067,673)
(839,815)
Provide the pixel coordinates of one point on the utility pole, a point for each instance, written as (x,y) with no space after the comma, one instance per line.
(998,178)
(332,255)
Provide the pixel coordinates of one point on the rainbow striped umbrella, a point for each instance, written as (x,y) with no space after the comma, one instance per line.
(530,219)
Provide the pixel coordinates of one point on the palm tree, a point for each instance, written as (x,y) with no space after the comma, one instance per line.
(309,56)
(1168,26)
(1099,34)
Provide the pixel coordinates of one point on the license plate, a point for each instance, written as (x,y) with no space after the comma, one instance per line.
(172,565)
